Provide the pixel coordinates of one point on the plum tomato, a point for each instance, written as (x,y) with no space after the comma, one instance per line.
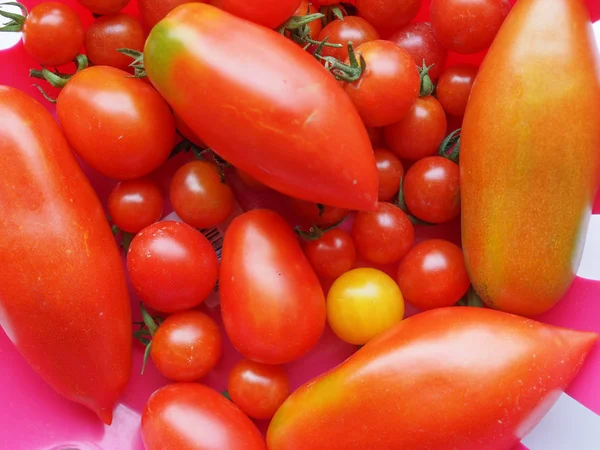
(389,171)
(454,88)
(250,181)
(331,254)
(313,214)
(184,130)
(354,29)
(135,204)
(388,14)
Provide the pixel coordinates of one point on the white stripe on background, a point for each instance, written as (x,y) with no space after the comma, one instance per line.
(590,262)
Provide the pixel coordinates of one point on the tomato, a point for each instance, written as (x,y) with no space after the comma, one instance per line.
(176,416)
(272,303)
(199,196)
(467,26)
(376,136)
(362,304)
(135,204)
(258,389)
(525,214)
(354,29)
(305,8)
(117,124)
(419,40)
(103,7)
(270,13)
(313,214)
(433,274)
(332,254)
(388,14)
(510,369)
(383,236)
(390,171)
(454,88)
(250,181)
(58,277)
(286,100)
(186,346)
(420,132)
(108,33)
(172,266)
(186,132)
(153,11)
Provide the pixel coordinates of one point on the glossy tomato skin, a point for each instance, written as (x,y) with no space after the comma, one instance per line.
(184,130)
(153,11)
(52,34)
(388,14)
(272,303)
(390,171)
(103,7)
(44,312)
(352,29)
(454,87)
(135,204)
(511,369)
(172,266)
(117,124)
(176,416)
(522,240)
(286,101)
(269,13)
(332,254)
(312,214)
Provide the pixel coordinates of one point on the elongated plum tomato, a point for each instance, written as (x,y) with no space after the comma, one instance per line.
(510,369)
(286,101)
(272,302)
(454,87)
(269,13)
(153,11)
(390,171)
(172,266)
(103,7)
(135,204)
(185,131)
(177,414)
(56,278)
(388,14)
(352,29)
(332,254)
(117,124)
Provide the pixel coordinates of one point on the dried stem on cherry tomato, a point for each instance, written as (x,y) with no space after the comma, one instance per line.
(401,203)
(332,12)
(139,71)
(57,79)
(296,27)
(450,147)
(146,331)
(346,72)
(427,85)
(315,232)
(16,20)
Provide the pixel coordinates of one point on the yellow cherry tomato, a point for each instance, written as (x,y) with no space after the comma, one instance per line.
(363,303)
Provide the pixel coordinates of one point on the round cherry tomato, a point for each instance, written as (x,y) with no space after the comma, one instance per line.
(108,33)
(172,266)
(467,26)
(389,86)
(250,181)
(454,88)
(354,29)
(313,214)
(304,8)
(270,13)
(103,7)
(383,236)
(199,196)
(432,189)
(186,346)
(332,254)
(433,274)
(192,416)
(388,14)
(153,11)
(420,132)
(389,171)
(135,204)
(418,40)
(258,389)
(363,303)
(187,132)
(52,34)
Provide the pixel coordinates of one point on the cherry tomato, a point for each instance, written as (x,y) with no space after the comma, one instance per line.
(258,389)
(418,40)
(389,86)
(388,14)
(383,236)
(454,88)
(420,132)
(313,214)
(103,7)
(186,346)
(376,136)
(250,181)
(363,303)
(389,171)
(304,8)
(432,189)
(172,266)
(192,416)
(433,274)
(135,204)
(332,254)
(199,196)
(467,26)
(354,29)
(187,132)
(153,11)
(270,13)
(108,33)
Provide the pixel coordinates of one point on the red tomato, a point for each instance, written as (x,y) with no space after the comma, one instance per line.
(418,40)
(384,236)
(376,136)
(433,274)
(467,26)
(117,124)
(249,180)
(135,204)
(332,254)
(192,416)
(305,8)
(258,389)
(313,214)
(187,132)
(103,7)
(172,266)
(61,270)
(354,29)
(389,85)
(270,13)
(108,33)
(454,88)
(420,132)
(390,171)
(186,346)
(199,196)
(153,11)
(432,189)
(272,302)
(388,14)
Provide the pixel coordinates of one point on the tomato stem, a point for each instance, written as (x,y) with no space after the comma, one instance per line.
(16,20)
(139,71)
(345,72)
(427,86)
(332,12)
(46,96)
(315,232)
(298,30)
(450,147)
(57,79)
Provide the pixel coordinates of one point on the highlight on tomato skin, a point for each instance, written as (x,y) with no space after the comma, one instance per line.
(135,204)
